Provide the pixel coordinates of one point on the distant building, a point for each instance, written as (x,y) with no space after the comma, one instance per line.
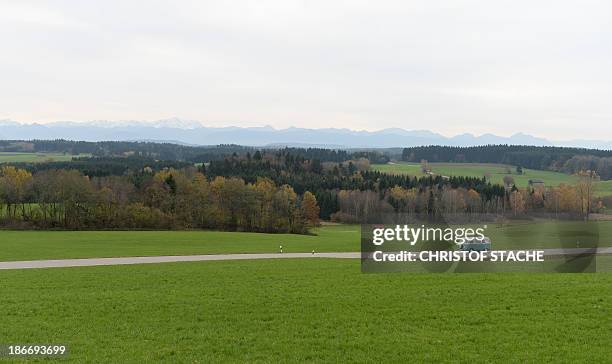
(536,183)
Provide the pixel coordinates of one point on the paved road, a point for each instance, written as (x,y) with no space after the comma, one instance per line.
(576,251)
(25,264)
(162,259)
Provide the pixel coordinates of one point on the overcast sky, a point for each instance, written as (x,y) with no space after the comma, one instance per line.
(538,67)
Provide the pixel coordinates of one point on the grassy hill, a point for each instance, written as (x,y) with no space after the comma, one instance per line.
(14,157)
(496,171)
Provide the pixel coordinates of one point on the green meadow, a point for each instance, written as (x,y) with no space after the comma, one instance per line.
(16,157)
(305,310)
(33,245)
(295,310)
(603,188)
(496,172)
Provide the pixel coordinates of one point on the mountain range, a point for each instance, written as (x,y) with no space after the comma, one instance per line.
(190,132)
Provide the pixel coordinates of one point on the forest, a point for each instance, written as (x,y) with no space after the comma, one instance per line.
(327,179)
(173,152)
(105,166)
(169,199)
(162,151)
(264,191)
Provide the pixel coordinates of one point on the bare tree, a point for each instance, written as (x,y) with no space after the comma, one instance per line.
(585,188)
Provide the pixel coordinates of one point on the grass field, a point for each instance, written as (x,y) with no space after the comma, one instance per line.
(603,188)
(26,245)
(497,171)
(33,245)
(15,157)
(307,311)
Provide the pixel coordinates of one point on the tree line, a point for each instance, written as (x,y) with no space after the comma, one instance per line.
(327,179)
(105,166)
(152,150)
(600,165)
(173,152)
(442,201)
(168,199)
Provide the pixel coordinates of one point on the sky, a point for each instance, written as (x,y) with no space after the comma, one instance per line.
(502,67)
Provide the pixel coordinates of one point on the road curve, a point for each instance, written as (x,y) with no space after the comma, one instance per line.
(88,262)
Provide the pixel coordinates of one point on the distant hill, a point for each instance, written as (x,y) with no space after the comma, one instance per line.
(560,159)
(193,133)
